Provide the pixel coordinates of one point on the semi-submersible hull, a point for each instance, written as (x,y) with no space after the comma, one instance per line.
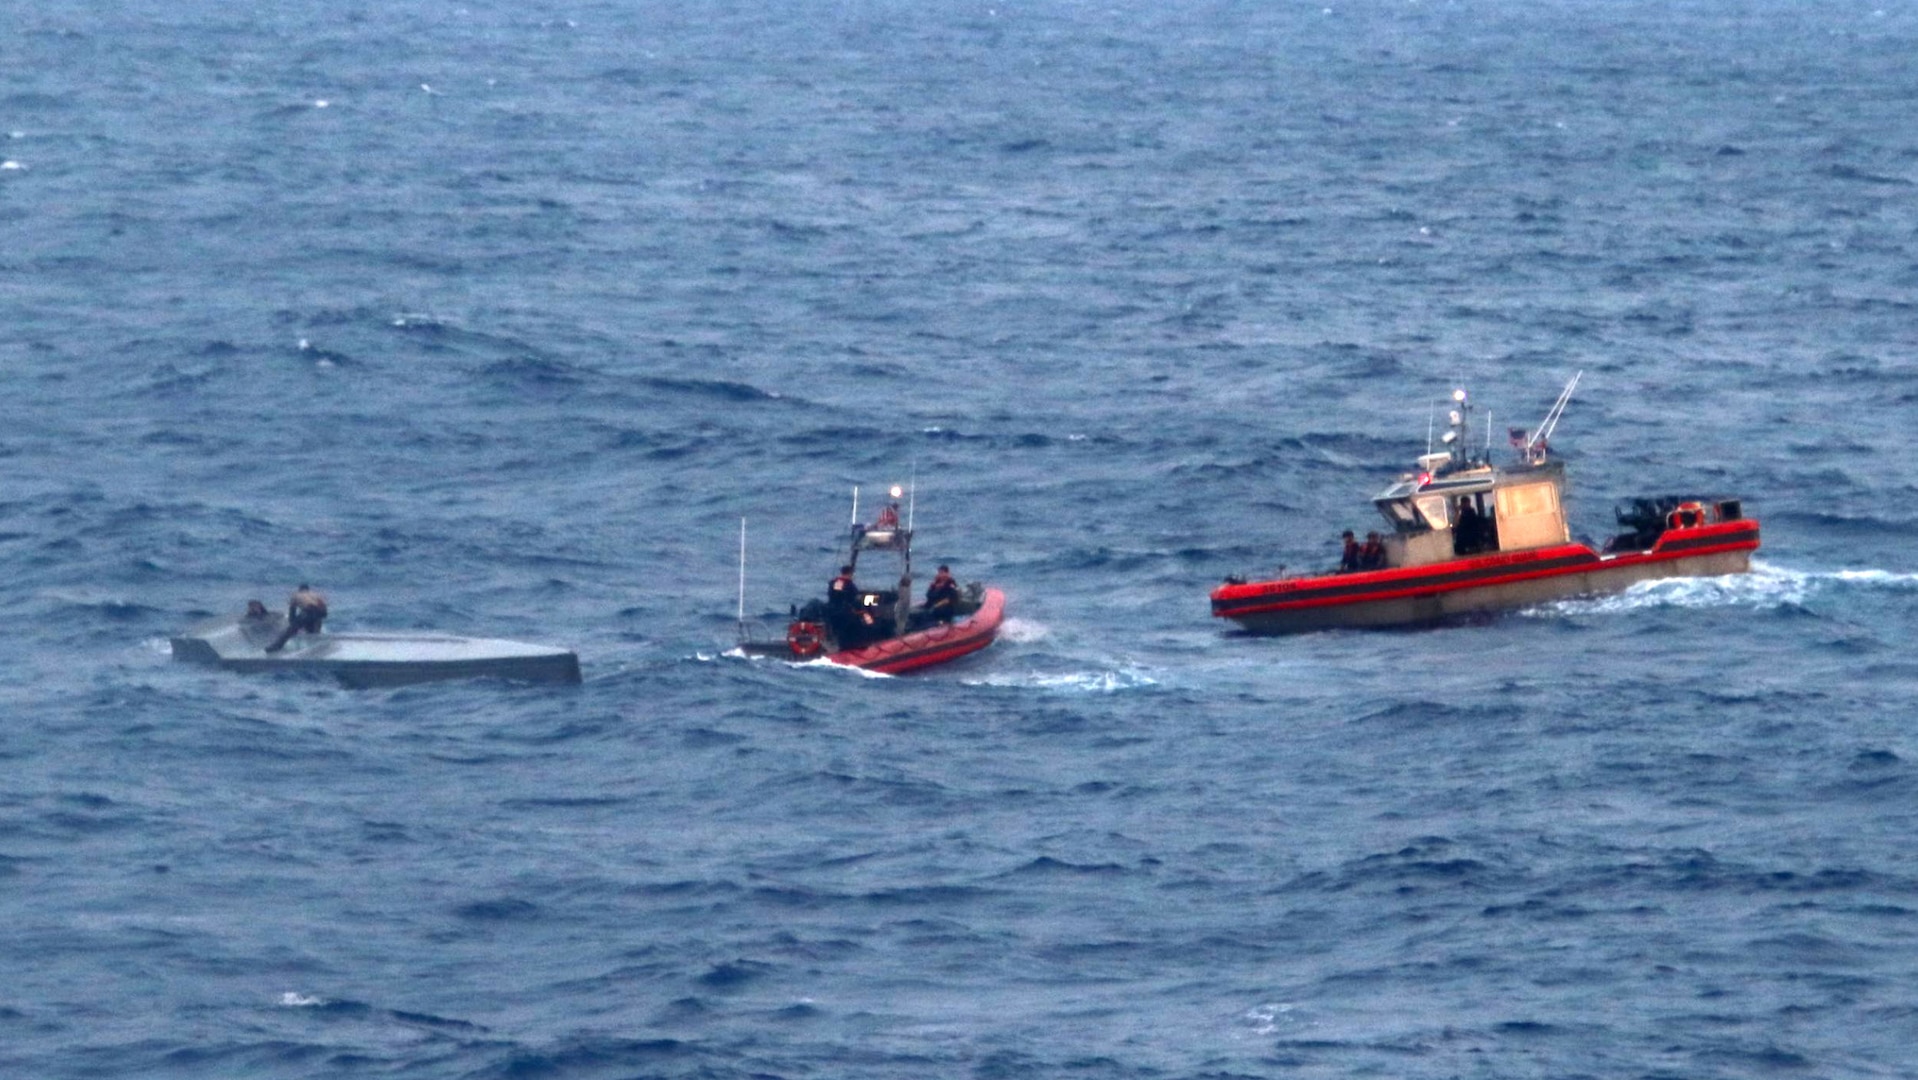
(368,659)
(1494,582)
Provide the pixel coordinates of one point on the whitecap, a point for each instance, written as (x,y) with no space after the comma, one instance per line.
(1072,682)
(11,165)
(1265,1019)
(293,1000)
(1877,577)
(1023,631)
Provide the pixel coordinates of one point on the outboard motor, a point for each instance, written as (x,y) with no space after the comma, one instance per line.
(1646,518)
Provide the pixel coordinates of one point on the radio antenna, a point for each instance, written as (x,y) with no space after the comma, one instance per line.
(1550,423)
(742,572)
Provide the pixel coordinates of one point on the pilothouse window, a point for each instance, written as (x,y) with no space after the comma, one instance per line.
(1401,515)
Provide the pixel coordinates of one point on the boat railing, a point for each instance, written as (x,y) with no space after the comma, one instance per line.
(751,632)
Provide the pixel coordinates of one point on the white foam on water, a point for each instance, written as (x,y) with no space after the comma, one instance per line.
(1269,1018)
(1876,577)
(1767,587)
(1023,631)
(1074,682)
(822,662)
(293,1000)
(736,653)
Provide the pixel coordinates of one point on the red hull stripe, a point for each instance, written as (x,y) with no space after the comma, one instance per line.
(1231,601)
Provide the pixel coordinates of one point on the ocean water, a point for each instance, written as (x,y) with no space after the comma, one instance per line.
(498,318)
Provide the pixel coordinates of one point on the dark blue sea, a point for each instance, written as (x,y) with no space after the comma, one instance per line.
(497,318)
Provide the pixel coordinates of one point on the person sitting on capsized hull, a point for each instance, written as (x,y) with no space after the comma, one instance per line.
(305,612)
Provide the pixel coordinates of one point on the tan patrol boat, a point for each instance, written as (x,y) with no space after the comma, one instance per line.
(1469,536)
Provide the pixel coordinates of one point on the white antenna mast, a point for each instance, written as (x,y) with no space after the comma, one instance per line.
(1550,423)
(742,571)
(855,504)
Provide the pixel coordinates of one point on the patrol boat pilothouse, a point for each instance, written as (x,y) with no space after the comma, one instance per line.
(1471,536)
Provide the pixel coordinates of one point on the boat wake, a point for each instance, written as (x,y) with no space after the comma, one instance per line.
(1765,588)
(820,662)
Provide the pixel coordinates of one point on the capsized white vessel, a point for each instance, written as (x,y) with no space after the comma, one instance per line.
(371,658)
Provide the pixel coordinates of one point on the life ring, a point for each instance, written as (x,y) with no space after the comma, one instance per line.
(1689,515)
(804,639)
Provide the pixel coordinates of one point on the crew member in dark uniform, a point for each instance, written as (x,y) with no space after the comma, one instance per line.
(1372,555)
(842,608)
(942,596)
(305,611)
(1468,531)
(1349,561)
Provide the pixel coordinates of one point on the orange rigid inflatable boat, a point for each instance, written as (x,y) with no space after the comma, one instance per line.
(881,629)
